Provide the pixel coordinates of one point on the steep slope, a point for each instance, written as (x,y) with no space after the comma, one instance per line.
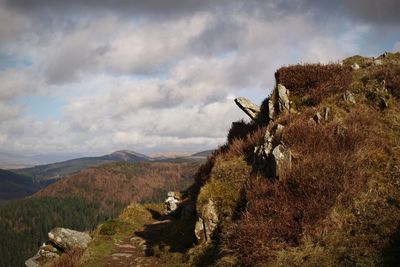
(315,179)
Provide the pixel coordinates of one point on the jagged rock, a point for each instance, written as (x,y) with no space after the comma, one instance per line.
(271,109)
(251,109)
(207,222)
(67,239)
(271,139)
(283,160)
(279,102)
(273,156)
(283,99)
(355,66)
(349,97)
(171,203)
(317,117)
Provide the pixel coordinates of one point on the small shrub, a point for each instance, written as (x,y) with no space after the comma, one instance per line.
(109,228)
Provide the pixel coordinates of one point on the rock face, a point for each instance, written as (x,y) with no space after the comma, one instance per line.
(273,156)
(278,103)
(60,240)
(207,222)
(171,203)
(251,109)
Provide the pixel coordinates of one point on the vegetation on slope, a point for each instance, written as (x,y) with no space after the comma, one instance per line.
(339,203)
(83,200)
(124,182)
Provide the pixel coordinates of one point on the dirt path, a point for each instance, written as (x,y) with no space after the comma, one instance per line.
(136,250)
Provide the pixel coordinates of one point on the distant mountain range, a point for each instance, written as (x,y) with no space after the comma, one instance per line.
(18,183)
(61,169)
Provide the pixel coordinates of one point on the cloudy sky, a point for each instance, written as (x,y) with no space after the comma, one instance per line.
(90,77)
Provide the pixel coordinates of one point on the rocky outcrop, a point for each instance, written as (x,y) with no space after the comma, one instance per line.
(171,202)
(273,156)
(60,240)
(278,103)
(251,109)
(68,239)
(207,222)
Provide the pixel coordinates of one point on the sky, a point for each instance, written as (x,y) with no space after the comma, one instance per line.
(91,77)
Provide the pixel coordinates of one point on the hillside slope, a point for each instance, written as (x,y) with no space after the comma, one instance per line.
(123,182)
(82,200)
(15,186)
(313,180)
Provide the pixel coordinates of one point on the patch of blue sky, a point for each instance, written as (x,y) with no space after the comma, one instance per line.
(42,107)
(226,54)
(8,61)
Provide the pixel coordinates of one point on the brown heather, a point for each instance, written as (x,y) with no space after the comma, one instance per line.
(339,205)
(313,82)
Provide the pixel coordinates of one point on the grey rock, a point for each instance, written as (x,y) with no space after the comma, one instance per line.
(207,222)
(377,62)
(355,66)
(68,239)
(283,99)
(283,160)
(271,139)
(349,97)
(251,109)
(171,203)
(271,109)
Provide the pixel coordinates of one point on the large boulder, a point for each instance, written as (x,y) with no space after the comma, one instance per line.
(251,109)
(68,239)
(207,222)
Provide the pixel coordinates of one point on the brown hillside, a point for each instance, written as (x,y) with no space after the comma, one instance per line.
(123,182)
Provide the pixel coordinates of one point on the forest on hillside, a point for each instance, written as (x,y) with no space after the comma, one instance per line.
(24,224)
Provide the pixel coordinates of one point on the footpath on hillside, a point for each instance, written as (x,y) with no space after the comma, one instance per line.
(136,250)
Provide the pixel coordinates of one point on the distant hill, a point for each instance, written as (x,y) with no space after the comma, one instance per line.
(204,153)
(61,169)
(124,182)
(14,186)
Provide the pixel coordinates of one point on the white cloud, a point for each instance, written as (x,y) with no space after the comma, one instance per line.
(151,84)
